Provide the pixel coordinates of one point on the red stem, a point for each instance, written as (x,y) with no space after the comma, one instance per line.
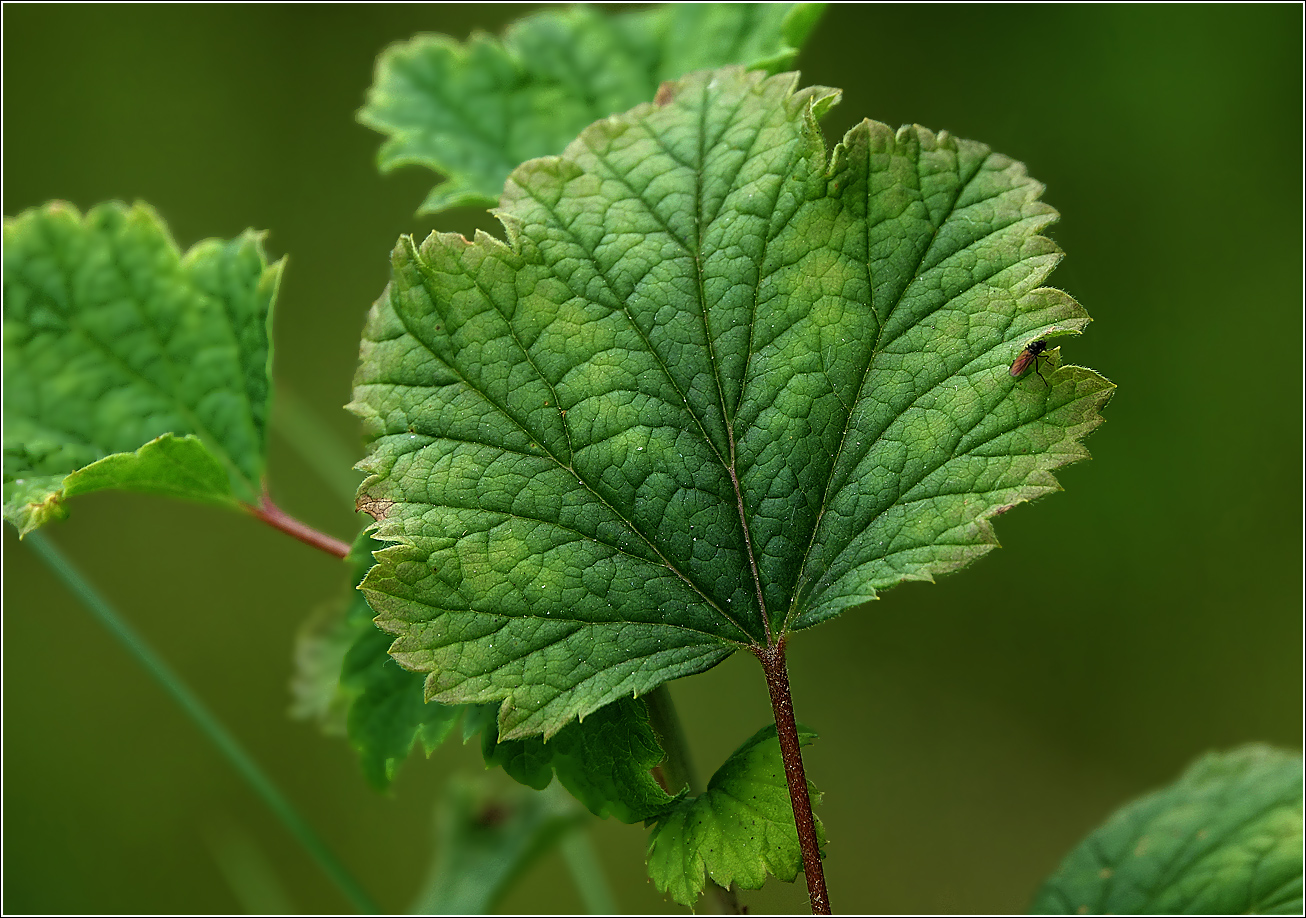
(277,518)
(772,659)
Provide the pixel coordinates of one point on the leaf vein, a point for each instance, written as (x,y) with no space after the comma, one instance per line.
(503,411)
(861,386)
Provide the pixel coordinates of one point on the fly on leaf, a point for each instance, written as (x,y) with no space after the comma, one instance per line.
(1032,352)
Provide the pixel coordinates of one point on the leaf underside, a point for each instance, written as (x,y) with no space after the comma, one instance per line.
(129,365)
(717,386)
(738,831)
(1225,839)
(475,110)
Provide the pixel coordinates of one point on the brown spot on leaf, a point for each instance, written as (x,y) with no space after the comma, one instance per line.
(375,507)
(666,92)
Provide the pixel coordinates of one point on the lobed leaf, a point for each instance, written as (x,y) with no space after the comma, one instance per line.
(715,387)
(128,365)
(604,761)
(1225,839)
(738,831)
(388,717)
(475,110)
(345,680)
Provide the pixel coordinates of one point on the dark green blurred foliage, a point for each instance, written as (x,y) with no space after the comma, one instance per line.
(972,731)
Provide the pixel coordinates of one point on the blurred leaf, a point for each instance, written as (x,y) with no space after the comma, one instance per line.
(478,718)
(388,717)
(128,365)
(485,839)
(345,680)
(475,110)
(320,648)
(604,760)
(1225,839)
(715,389)
(738,831)
(249,873)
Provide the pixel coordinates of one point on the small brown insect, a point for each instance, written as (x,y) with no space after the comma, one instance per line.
(1032,352)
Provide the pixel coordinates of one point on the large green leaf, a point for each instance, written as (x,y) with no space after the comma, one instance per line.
(475,110)
(1225,839)
(737,831)
(129,365)
(716,387)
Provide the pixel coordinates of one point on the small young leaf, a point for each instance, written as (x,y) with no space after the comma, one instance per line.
(715,388)
(349,684)
(347,681)
(477,720)
(1225,839)
(474,111)
(485,839)
(738,831)
(387,717)
(129,365)
(604,760)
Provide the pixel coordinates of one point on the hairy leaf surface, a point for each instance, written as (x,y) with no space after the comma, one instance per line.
(1225,839)
(716,386)
(737,831)
(475,110)
(129,365)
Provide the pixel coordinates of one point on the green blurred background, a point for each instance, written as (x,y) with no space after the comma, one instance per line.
(972,731)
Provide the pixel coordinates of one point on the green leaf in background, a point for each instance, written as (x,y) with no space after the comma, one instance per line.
(388,717)
(128,365)
(716,387)
(345,680)
(475,110)
(1225,839)
(604,760)
(737,831)
(320,647)
(485,839)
